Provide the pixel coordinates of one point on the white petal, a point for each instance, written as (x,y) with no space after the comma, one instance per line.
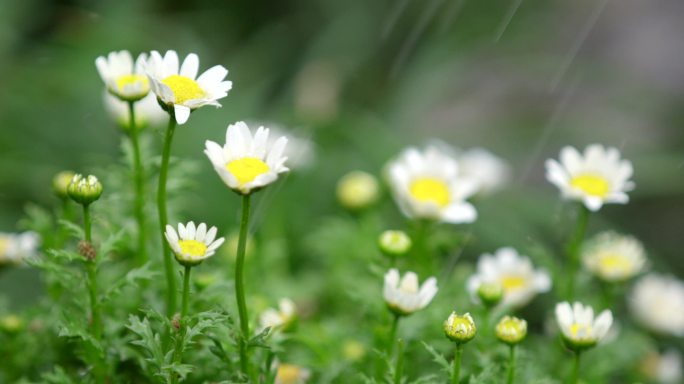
(211,234)
(459,213)
(212,75)
(191,230)
(201,232)
(190,66)
(182,113)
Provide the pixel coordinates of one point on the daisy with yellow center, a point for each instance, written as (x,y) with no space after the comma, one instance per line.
(404,295)
(279,319)
(15,248)
(427,185)
(597,177)
(124,79)
(147,111)
(291,374)
(657,303)
(247,163)
(191,244)
(613,257)
(579,329)
(180,89)
(514,273)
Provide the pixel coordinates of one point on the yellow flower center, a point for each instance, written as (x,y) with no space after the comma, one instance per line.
(192,247)
(289,374)
(427,189)
(591,184)
(4,245)
(580,331)
(615,262)
(247,169)
(510,283)
(135,80)
(183,88)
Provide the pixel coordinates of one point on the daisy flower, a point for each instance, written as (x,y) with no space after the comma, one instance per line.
(191,244)
(404,296)
(291,374)
(180,89)
(613,257)
(279,318)
(597,177)
(490,171)
(513,272)
(123,78)
(579,328)
(147,111)
(17,247)
(247,163)
(427,185)
(663,368)
(657,302)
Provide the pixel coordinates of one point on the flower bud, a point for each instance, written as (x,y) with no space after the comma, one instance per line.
(84,190)
(11,323)
(460,329)
(357,190)
(490,293)
(511,330)
(60,183)
(394,243)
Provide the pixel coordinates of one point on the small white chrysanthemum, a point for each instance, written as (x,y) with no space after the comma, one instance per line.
(428,185)
(488,170)
(599,177)
(291,374)
(657,302)
(179,87)
(300,151)
(123,78)
(17,247)
(147,111)
(614,257)
(279,318)
(191,244)
(665,368)
(513,272)
(579,328)
(246,163)
(404,296)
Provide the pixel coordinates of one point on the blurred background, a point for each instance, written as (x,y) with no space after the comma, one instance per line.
(363,80)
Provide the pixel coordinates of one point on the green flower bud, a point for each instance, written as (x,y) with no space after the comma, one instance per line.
(84,190)
(460,329)
(60,183)
(357,190)
(394,243)
(11,323)
(490,293)
(511,330)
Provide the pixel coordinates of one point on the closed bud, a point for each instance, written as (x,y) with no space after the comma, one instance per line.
(357,190)
(490,293)
(60,183)
(511,330)
(11,323)
(84,190)
(460,329)
(394,243)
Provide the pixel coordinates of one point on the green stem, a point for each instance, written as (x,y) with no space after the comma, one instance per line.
(139,181)
(392,335)
(511,365)
(91,269)
(239,285)
(163,219)
(399,368)
(575,369)
(178,351)
(574,248)
(456,374)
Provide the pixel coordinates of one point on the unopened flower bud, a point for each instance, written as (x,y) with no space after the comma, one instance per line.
(11,323)
(357,190)
(60,183)
(460,329)
(84,190)
(511,330)
(394,243)
(490,293)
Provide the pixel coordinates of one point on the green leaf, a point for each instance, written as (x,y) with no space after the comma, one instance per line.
(438,358)
(132,278)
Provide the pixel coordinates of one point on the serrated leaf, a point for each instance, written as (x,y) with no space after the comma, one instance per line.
(132,278)
(73,230)
(438,358)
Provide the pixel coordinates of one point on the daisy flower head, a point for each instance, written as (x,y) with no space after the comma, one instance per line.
(596,177)
(291,374)
(280,318)
(512,272)
(15,248)
(124,78)
(490,171)
(191,245)
(579,329)
(246,162)
(460,329)
(147,111)
(404,295)
(179,89)
(657,302)
(427,185)
(613,257)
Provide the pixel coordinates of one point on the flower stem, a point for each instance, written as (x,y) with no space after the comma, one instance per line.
(574,248)
(139,181)
(178,351)
(456,374)
(575,369)
(239,285)
(511,365)
(91,269)
(399,368)
(392,335)
(163,219)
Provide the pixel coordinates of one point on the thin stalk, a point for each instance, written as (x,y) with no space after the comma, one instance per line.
(178,351)
(511,365)
(392,335)
(139,181)
(240,285)
(163,219)
(575,369)
(456,374)
(574,248)
(399,368)
(91,269)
